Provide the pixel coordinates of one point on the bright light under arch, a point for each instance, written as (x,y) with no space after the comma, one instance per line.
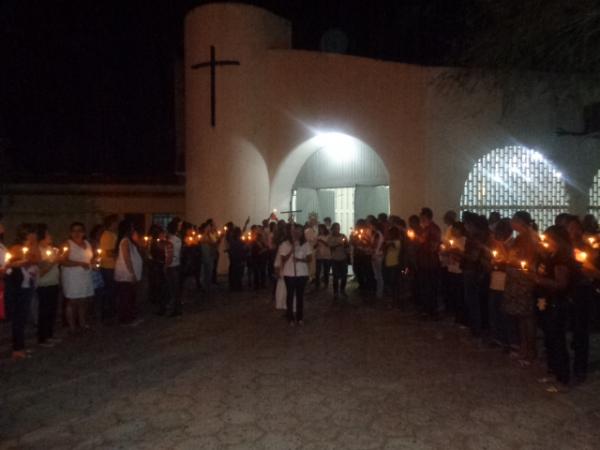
(516,178)
(340,147)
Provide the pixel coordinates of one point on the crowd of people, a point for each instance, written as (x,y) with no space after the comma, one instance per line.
(500,278)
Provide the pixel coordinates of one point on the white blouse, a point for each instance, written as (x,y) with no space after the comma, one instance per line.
(122,273)
(301,252)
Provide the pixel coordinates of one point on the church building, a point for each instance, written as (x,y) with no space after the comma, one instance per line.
(270,127)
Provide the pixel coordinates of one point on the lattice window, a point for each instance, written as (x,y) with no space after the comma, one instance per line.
(595,196)
(516,178)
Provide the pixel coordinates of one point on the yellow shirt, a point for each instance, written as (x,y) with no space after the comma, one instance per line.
(108,241)
(392,254)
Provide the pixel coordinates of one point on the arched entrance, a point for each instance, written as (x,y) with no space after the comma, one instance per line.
(333,175)
(515,178)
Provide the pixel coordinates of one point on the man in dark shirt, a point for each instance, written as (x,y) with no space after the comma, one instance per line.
(428,263)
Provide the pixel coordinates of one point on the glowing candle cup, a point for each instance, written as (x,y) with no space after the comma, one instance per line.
(580,256)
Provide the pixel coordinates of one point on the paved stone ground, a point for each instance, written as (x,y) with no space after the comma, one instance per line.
(231,374)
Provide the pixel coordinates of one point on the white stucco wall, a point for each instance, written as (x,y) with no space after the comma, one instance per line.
(270,107)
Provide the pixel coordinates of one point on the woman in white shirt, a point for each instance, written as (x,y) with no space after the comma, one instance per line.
(295,254)
(76,276)
(128,271)
(48,287)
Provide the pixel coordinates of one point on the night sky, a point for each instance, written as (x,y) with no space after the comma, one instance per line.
(86,87)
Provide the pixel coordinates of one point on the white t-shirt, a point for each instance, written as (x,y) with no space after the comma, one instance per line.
(301,252)
(176,250)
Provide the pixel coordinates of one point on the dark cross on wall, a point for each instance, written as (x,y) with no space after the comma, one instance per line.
(213,63)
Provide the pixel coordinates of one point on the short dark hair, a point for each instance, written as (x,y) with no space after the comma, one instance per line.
(524,217)
(110,219)
(427,212)
(23,230)
(41,230)
(173,225)
(75,225)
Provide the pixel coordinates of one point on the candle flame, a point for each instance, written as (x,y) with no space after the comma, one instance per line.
(48,252)
(495,253)
(580,256)
(25,250)
(410,234)
(523,265)
(7,257)
(592,240)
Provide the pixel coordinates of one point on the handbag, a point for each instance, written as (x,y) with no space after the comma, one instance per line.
(518,293)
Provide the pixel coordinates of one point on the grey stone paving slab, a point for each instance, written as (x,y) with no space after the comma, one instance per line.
(230,374)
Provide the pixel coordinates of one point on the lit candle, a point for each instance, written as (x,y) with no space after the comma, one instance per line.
(524,265)
(225,227)
(99,251)
(495,254)
(580,256)
(65,249)
(146,239)
(25,250)
(545,245)
(243,238)
(542,237)
(410,234)
(592,240)
(48,253)
(7,258)
(442,247)
(219,232)
(451,242)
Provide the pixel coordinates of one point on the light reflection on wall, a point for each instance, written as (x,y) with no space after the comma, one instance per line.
(516,178)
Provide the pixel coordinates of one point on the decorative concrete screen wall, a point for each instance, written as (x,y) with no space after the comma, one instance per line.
(516,178)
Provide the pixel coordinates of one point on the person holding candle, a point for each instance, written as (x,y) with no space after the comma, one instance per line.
(323,256)
(295,255)
(394,261)
(581,295)
(428,263)
(412,246)
(238,254)
(449,219)
(108,242)
(128,272)
(502,326)
(554,277)
(340,253)
(97,278)
(377,246)
(173,265)
(48,287)
(160,254)
(76,277)
(455,281)
(476,269)
(518,295)
(4,258)
(21,277)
